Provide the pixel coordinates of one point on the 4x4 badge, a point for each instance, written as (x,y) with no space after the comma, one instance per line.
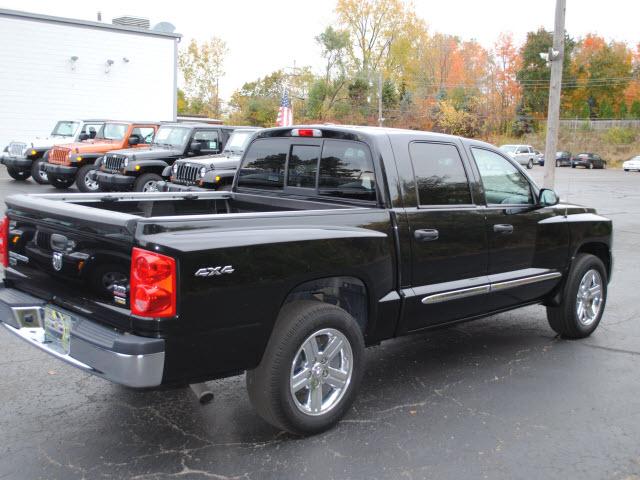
(214,271)
(56,261)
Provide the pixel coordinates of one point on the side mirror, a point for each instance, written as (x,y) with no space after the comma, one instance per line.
(134,140)
(548,198)
(83,136)
(195,147)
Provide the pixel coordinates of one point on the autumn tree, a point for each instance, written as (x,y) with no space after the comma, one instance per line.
(505,91)
(601,71)
(202,66)
(372,25)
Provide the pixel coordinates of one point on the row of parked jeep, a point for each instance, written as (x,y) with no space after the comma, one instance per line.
(106,155)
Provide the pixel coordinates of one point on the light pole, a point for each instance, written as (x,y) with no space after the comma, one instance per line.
(555,57)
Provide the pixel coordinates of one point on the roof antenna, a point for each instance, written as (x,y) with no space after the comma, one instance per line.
(99,16)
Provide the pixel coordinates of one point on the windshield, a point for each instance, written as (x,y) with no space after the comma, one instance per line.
(114,131)
(238,141)
(508,148)
(65,129)
(172,136)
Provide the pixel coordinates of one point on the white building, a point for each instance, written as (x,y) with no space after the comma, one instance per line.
(56,68)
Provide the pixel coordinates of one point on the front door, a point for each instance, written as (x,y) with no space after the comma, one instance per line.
(448,239)
(522,244)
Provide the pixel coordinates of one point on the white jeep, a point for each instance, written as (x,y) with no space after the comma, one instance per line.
(25,158)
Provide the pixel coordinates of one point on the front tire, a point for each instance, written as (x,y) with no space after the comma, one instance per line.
(84,182)
(590,166)
(147,182)
(530,164)
(38,172)
(585,296)
(60,183)
(311,369)
(20,175)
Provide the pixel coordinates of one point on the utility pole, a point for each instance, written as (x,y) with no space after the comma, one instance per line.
(380,119)
(555,57)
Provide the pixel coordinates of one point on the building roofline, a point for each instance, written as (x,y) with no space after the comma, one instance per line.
(4,12)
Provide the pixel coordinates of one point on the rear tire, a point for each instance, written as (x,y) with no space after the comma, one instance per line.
(38,173)
(19,175)
(584,300)
(145,182)
(305,398)
(83,182)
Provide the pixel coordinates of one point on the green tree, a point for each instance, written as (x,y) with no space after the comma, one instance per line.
(534,74)
(635,109)
(325,92)
(202,66)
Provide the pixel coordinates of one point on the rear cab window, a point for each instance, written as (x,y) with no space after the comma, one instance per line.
(341,169)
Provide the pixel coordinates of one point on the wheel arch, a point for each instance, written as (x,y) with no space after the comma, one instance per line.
(347,292)
(600,250)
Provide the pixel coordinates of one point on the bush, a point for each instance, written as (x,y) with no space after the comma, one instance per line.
(620,136)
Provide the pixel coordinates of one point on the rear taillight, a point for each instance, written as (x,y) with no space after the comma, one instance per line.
(152,284)
(4,242)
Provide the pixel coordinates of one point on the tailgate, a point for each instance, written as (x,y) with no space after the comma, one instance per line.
(71,255)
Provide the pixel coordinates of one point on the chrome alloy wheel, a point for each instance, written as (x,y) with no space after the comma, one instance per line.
(589,298)
(321,372)
(90,184)
(150,186)
(42,173)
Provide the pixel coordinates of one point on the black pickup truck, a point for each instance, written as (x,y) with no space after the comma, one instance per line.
(332,239)
(212,172)
(139,169)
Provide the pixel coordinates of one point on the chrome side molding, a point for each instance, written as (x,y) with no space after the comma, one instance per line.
(524,281)
(488,288)
(456,294)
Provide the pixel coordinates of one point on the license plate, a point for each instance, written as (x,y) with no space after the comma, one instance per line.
(57,328)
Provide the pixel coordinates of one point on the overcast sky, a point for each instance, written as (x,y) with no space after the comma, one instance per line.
(266,35)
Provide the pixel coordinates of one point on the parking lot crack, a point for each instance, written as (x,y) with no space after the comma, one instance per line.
(611,349)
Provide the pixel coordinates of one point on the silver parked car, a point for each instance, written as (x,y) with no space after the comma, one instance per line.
(523,154)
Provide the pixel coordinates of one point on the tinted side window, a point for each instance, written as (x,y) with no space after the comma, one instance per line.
(303,166)
(346,170)
(264,163)
(503,182)
(208,139)
(92,129)
(440,176)
(144,134)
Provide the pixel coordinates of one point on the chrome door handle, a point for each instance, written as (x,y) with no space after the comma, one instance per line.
(426,235)
(503,228)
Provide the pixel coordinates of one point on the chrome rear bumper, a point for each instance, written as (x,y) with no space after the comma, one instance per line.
(121,358)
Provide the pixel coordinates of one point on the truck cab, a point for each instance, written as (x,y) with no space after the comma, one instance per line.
(73,162)
(139,169)
(26,158)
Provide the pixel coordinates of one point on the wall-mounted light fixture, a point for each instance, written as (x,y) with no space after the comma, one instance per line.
(125,59)
(108,64)
(72,60)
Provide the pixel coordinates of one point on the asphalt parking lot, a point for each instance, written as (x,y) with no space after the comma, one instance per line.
(498,398)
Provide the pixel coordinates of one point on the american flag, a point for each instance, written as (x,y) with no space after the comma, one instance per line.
(285,113)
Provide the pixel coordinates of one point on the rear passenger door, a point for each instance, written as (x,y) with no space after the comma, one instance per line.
(448,239)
